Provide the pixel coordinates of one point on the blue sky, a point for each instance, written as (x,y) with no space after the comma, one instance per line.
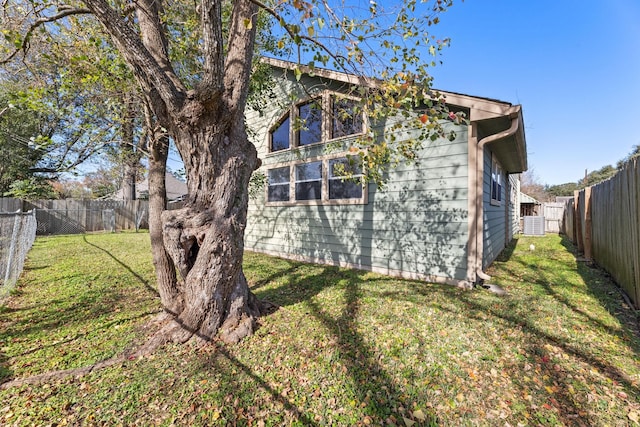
(573,65)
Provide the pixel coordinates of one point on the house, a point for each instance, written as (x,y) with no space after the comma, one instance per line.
(529,206)
(443,219)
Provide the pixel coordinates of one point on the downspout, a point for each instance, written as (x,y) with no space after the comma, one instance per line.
(478,239)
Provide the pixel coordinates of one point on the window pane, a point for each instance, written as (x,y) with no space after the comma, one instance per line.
(346,121)
(278,193)
(338,167)
(340,188)
(278,189)
(309,181)
(280,136)
(311,121)
(311,190)
(344,189)
(309,171)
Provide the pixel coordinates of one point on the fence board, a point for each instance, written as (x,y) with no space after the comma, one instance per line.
(70,216)
(611,218)
(553,214)
(9,204)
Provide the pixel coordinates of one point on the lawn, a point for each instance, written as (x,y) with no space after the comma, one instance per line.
(344,348)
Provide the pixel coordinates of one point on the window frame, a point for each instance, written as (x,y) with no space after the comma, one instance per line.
(496,185)
(324,199)
(326,100)
(273,128)
(279,184)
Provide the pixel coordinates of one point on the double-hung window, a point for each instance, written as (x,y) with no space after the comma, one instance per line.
(309,181)
(496,182)
(345,179)
(278,184)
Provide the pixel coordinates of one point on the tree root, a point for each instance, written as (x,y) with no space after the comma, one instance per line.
(231,332)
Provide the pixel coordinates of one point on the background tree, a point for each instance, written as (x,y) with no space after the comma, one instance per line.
(86,93)
(19,148)
(200,104)
(531,185)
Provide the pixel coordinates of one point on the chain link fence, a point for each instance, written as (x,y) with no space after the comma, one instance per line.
(17,234)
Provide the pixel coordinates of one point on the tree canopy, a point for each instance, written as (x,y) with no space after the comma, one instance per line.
(196,66)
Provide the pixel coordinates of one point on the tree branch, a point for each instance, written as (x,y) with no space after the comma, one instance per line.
(149,73)
(240,51)
(64,12)
(211,18)
(293,36)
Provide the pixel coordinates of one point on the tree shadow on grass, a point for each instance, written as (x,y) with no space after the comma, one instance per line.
(5,372)
(597,282)
(606,290)
(141,279)
(373,385)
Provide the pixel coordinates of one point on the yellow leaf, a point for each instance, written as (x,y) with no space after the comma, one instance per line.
(248,24)
(419,415)
(311,31)
(460,397)
(215,415)
(633,416)
(408,422)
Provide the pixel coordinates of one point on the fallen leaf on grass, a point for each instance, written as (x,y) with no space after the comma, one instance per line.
(634,416)
(419,415)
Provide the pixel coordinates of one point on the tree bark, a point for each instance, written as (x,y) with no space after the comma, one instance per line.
(204,239)
(168,287)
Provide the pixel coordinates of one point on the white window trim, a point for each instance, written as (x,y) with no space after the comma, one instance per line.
(324,200)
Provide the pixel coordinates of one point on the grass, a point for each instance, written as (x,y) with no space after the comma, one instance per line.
(345,348)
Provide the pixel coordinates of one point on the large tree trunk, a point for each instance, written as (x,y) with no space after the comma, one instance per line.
(205,238)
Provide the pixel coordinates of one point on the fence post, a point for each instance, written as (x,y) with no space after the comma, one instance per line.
(588,254)
(577,221)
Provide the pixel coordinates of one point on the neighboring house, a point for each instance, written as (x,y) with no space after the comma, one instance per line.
(176,189)
(529,206)
(444,219)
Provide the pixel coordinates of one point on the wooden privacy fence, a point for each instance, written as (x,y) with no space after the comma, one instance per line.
(553,213)
(70,216)
(604,223)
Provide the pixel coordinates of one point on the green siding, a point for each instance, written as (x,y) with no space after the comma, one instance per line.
(417,226)
(494,222)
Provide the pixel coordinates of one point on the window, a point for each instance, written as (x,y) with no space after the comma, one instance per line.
(345,119)
(331,180)
(278,184)
(310,115)
(309,181)
(317,120)
(496,182)
(345,179)
(280,135)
